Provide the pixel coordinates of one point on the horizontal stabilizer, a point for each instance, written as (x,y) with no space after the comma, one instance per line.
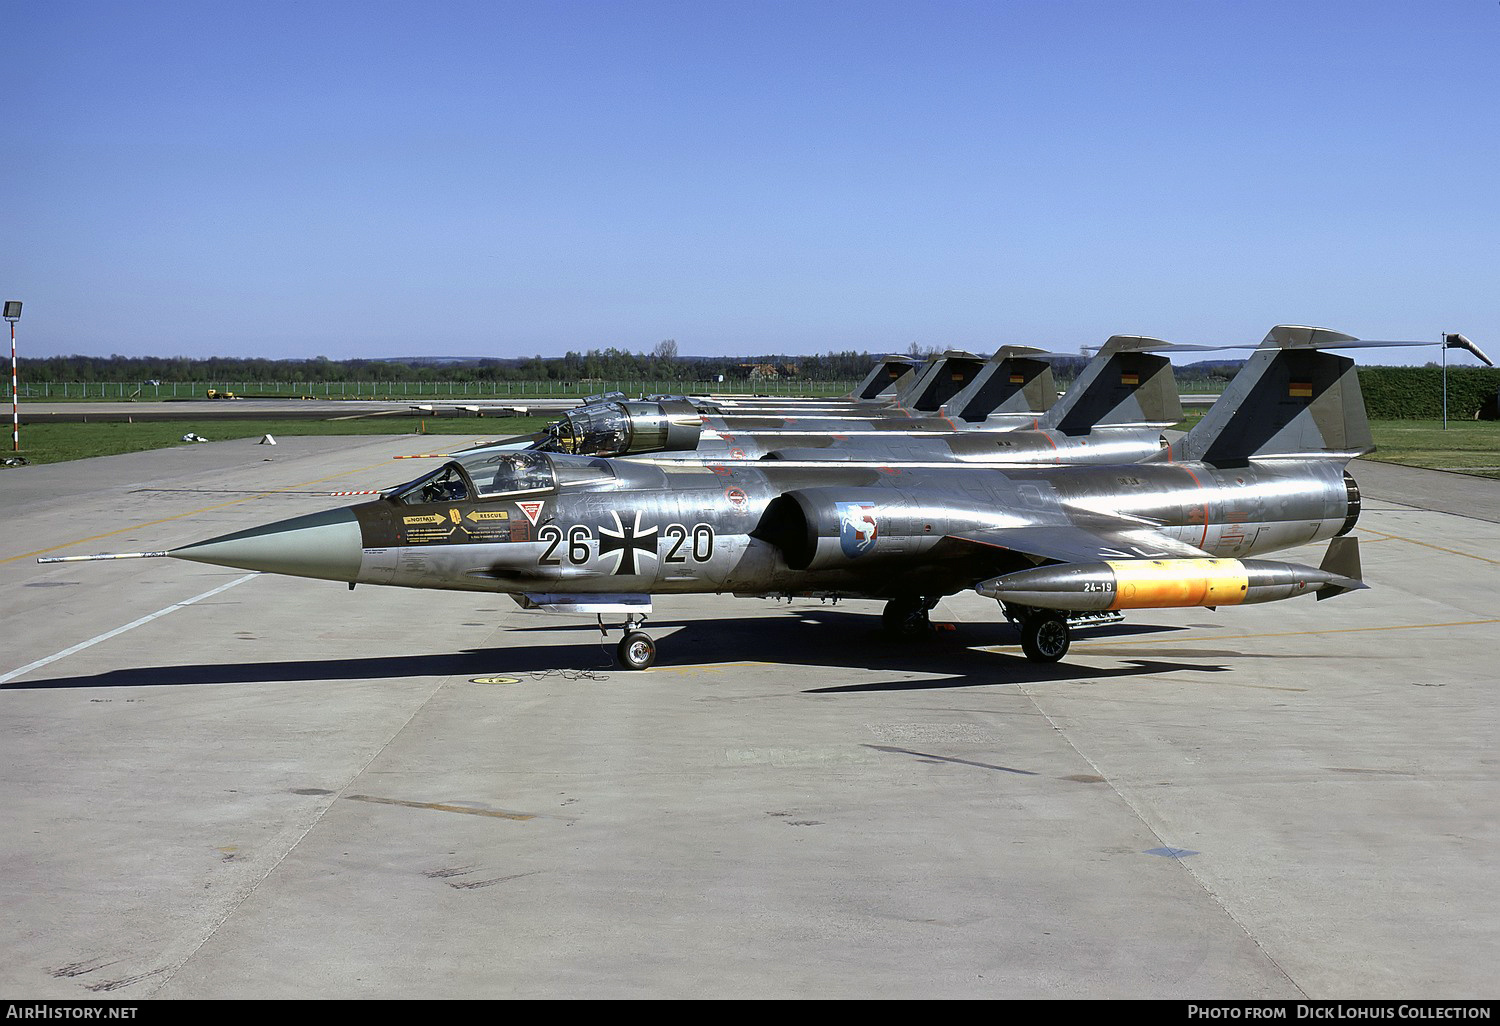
(1298,336)
(1289,336)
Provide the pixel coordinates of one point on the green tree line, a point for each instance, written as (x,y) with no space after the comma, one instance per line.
(661,364)
(1390,392)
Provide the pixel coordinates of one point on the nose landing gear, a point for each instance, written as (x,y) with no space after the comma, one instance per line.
(636,650)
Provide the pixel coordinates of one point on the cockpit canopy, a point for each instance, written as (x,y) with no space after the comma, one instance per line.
(626,428)
(489,474)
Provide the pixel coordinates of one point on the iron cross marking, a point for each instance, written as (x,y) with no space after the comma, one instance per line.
(626,541)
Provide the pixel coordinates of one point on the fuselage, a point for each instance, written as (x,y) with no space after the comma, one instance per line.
(525,523)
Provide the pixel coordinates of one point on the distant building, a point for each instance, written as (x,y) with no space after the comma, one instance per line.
(762,371)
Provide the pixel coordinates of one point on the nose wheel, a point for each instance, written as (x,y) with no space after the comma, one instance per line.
(636,650)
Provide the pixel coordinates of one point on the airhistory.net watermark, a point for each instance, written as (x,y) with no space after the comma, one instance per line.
(44,1011)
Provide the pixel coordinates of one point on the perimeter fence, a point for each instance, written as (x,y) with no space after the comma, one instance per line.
(490,390)
(477,390)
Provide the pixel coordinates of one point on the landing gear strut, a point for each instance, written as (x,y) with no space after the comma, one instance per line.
(907,617)
(636,650)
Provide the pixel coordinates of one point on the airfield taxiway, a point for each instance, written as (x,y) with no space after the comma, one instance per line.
(227,785)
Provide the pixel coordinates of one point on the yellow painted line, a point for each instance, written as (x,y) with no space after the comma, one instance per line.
(1452,552)
(440,807)
(189,513)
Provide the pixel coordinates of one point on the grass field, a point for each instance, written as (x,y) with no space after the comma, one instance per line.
(1466,447)
(56,443)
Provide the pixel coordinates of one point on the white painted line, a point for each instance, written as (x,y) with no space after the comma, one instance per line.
(13,674)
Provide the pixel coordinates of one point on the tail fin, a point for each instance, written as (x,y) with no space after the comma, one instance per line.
(885,378)
(1290,400)
(941,379)
(1012,382)
(1124,385)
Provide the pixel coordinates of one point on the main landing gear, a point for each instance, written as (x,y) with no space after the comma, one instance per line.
(1045,635)
(906,617)
(636,650)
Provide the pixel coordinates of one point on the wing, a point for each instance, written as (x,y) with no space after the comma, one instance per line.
(1071,543)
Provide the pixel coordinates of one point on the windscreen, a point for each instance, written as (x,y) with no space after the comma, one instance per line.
(448,483)
(509,472)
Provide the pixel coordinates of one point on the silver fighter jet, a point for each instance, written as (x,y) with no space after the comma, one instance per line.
(1008,414)
(1058,548)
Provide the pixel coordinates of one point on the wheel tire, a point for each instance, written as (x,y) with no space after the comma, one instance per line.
(1045,637)
(905,619)
(636,651)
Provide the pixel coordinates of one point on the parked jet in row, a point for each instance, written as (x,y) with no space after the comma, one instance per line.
(1008,414)
(1057,547)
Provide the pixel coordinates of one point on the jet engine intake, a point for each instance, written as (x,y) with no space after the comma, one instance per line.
(826,528)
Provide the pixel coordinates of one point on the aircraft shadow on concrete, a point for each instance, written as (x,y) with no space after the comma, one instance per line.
(814,639)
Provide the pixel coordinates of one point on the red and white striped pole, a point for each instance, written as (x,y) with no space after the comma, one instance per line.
(13,314)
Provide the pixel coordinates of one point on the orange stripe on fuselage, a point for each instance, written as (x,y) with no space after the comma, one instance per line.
(1199,483)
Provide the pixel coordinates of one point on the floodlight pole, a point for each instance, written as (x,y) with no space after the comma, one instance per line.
(13,314)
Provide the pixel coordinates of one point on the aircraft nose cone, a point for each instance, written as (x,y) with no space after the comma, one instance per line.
(325,545)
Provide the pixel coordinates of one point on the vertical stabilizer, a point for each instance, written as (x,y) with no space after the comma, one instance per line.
(941,379)
(884,379)
(1290,400)
(1124,385)
(1014,381)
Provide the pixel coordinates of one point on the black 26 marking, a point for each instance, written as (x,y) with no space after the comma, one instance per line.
(695,543)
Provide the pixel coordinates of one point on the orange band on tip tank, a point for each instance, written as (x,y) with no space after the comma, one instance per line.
(1171,583)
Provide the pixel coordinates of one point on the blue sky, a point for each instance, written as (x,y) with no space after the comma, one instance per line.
(293,179)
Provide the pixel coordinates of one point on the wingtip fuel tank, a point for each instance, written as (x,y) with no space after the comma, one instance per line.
(1117,584)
